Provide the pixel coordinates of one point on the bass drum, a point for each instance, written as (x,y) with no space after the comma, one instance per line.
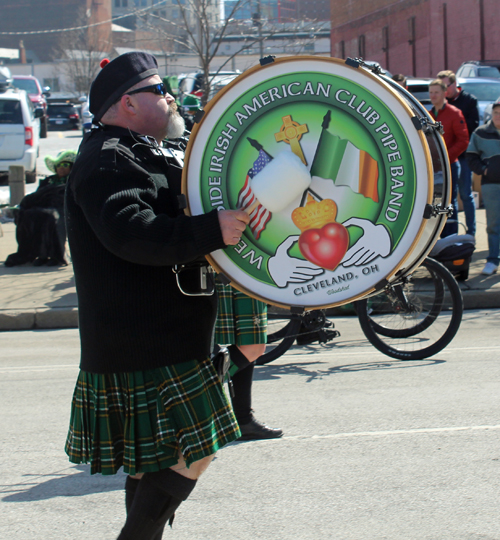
(335,167)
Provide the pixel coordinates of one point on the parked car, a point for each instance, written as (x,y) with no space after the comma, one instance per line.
(64,115)
(38,96)
(420,89)
(86,115)
(488,111)
(19,132)
(486,91)
(474,68)
(192,83)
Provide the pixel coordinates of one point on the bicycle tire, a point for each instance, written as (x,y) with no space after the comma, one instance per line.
(282,336)
(420,324)
(444,316)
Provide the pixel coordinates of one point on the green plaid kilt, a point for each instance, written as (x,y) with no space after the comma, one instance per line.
(142,420)
(241,320)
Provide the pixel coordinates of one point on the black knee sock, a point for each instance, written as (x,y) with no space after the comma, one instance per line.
(157,496)
(238,360)
(131,485)
(242,399)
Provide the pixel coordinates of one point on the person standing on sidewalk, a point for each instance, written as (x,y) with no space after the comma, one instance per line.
(456,139)
(467,103)
(483,155)
(147,396)
(242,325)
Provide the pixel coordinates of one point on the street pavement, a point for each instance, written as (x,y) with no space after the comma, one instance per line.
(374,448)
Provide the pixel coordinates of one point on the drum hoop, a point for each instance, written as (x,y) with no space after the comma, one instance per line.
(327,60)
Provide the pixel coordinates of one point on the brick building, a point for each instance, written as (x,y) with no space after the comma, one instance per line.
(36,15)
(416,37)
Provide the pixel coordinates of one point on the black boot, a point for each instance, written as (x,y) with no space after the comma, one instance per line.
(251,429)
(157,496)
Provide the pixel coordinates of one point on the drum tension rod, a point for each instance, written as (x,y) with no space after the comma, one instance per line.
(356,62)
(427,126)
(434,210)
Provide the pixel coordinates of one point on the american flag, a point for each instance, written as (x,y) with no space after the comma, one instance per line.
(260,215)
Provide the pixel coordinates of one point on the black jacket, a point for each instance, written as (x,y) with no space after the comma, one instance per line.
(467,103)
(125,232)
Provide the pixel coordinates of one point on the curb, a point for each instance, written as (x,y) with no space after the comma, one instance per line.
(38,319)
(67,317)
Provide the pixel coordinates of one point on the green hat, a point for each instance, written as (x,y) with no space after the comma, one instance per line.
(191,102)
(64,155)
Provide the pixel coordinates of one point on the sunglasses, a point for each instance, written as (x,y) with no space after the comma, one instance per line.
(63,164)
(158,89)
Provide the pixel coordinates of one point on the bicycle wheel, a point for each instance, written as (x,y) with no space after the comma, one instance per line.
(282,329)
(411,308)
(417,321)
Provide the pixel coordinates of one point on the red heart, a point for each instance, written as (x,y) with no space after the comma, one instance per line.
(325,247)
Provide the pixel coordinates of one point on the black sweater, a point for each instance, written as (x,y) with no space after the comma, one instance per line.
(125,232)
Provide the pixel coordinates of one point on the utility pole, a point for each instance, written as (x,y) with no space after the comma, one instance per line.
(257,21)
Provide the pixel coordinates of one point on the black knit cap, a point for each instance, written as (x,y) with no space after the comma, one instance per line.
(116,77)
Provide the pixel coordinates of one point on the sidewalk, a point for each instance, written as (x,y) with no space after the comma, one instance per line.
(45,297)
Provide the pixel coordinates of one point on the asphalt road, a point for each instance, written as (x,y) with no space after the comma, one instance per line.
(373,449)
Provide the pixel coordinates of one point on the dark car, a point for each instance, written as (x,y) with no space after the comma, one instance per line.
(64,116)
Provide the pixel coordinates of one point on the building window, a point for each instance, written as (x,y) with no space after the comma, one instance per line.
(342,49)
(361,46)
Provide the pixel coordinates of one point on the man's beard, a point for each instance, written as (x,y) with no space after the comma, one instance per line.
(176,125)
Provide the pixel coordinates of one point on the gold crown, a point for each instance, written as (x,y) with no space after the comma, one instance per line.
(314,215)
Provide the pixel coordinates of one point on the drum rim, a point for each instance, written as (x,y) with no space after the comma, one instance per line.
(327,60)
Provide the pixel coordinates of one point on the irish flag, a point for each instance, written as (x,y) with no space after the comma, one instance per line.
(339,160)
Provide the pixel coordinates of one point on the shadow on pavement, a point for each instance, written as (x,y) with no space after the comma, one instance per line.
(63,485)
(306,369)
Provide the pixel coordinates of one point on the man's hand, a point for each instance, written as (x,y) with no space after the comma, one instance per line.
(285,269)
(232,224)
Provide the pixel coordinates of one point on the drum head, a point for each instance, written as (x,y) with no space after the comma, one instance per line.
(332,170)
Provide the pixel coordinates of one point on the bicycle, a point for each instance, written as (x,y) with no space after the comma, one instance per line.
(413,318)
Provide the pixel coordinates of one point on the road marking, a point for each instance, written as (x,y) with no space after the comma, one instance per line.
(28,369)
(368,434)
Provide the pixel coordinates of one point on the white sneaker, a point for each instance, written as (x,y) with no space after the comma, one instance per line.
(489,269)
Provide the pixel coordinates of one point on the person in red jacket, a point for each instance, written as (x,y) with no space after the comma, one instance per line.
(456,137)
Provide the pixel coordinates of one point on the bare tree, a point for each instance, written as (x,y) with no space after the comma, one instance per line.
(195,26)
(83,49)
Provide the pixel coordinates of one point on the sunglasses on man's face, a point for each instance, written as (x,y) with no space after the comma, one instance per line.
(158,89)
(63,164)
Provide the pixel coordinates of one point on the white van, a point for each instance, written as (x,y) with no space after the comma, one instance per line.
(19,131)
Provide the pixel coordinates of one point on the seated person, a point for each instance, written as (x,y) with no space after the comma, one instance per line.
(40,231)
